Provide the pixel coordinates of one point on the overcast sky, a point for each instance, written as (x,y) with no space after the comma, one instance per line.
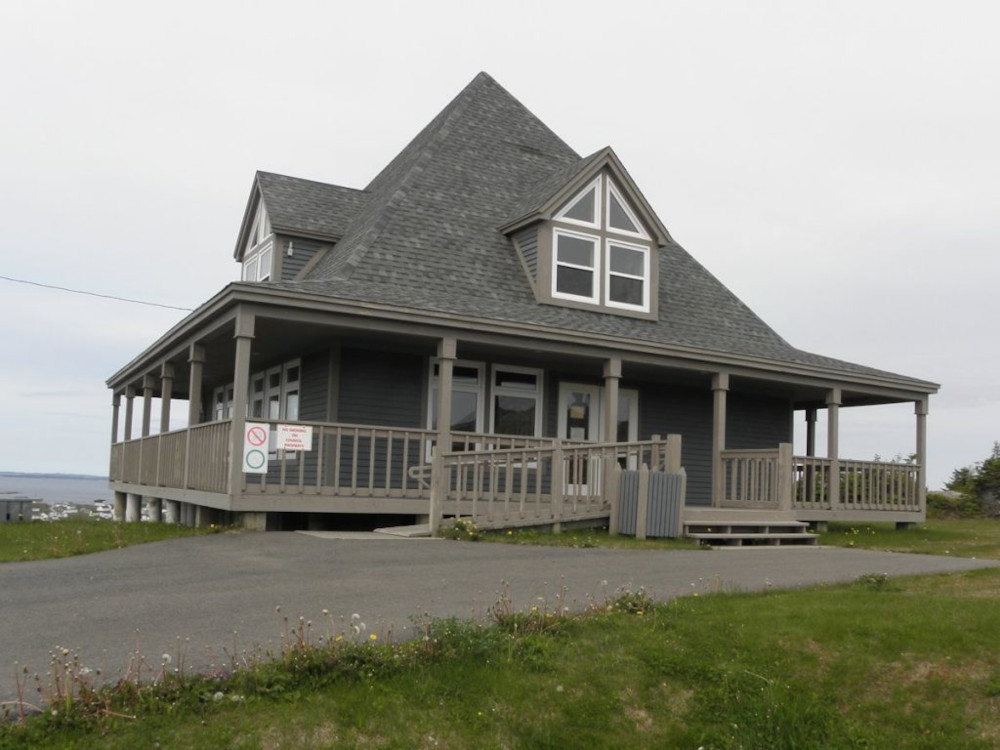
(834,163)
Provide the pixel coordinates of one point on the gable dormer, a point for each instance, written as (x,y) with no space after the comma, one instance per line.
(592,242)
(255,244)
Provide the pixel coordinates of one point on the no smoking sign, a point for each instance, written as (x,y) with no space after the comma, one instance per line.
(255,439)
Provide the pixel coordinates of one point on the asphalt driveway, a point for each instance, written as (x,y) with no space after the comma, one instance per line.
(216,591)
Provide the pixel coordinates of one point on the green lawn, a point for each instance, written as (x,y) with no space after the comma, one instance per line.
(39,540)
(978,537)
(909,663)
(974,537)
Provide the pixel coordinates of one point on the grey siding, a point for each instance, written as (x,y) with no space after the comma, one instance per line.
(312,404)
(381,388)
(687,412)
(302,252)
(757,421)
(314,388)
(527,244)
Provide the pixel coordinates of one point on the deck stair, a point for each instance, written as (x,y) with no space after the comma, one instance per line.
(718,527)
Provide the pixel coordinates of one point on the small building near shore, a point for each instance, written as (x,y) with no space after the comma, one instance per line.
(16,508)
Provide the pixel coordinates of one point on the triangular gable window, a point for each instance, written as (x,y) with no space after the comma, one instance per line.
(585,208)
(620,217)
(608,258)
(257,255)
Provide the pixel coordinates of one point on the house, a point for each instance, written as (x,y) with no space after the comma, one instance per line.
(486,329)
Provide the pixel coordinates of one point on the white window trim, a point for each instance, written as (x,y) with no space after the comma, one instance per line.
(260,241)
(595,269)
(596,185)
(479,389)
(608,273)
(613,190)
(287,389)
(282,389)
(498,390)
(254,255)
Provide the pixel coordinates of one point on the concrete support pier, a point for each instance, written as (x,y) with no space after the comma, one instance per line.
(171,511)
(155,506)
(118,507)
(133,508)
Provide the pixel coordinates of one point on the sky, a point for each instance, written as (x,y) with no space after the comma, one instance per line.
(834,164)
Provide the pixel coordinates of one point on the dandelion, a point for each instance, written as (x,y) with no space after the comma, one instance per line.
(373,637)
(218,696)
(326,613)
(166,658)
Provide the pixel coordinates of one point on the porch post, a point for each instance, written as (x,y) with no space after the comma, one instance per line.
(447,348)
(811,431)
(148,384)
(129,410)
(196,358)
(720,387)
(612,374)
(446,354)
(921,409)
(833,400)
(166,393)
(116,404)
(241,383)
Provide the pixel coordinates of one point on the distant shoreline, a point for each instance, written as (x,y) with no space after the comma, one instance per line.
(33,475)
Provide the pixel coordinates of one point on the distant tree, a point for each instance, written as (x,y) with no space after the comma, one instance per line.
(981,481)
(961,480)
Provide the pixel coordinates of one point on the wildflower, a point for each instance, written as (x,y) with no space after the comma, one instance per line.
(339,638)
(166,658)
(218,696)
(373,637)
(325,612)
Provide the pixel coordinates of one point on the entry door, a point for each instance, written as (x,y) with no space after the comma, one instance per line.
(579,412)
(580,421)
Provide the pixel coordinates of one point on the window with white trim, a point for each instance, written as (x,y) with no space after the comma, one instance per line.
(517,401)
(258,252)
(467,386)
(627,280)
(575,262)
(273,396)
(222,402)
(609,266)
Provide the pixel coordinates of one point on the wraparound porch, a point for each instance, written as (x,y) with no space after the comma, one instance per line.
(498,481)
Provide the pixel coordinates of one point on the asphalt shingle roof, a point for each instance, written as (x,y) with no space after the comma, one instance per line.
(298,206)
(424,235)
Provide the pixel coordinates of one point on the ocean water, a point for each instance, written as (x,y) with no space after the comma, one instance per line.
(56,490)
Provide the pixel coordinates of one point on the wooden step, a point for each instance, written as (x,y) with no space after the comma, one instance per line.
(769,538)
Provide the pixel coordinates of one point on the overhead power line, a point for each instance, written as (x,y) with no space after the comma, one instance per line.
(95,294)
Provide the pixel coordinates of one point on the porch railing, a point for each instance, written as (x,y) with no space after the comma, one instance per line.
(349,461)
(859,485)
(195,458)
(776,479)
(539,484)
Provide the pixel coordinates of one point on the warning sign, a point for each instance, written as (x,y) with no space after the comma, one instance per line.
(294,437)
(255,439)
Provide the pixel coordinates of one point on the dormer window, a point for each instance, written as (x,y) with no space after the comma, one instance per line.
(257,255)
(601,253)
(577,257)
